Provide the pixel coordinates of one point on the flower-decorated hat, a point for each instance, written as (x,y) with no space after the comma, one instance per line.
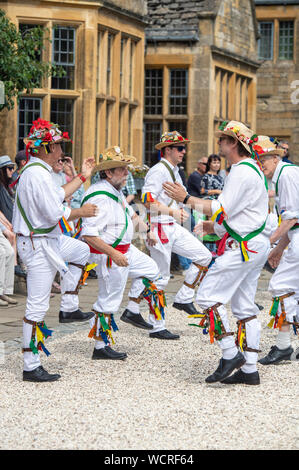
(44,132)
(266,147)
(238,131)
(171,138)
(114,157)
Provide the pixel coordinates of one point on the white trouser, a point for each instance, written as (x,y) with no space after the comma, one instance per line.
(286,277)
(182,243)
(7,265)
(41,270)
(231,279)
(112,282)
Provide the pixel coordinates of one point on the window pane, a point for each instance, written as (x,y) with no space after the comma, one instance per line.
(109,63)
(178,98)
(29,111)
(62,114)
(153,91)
(265,44)
(25,28)
(152,135)
(64,55)
(286,40)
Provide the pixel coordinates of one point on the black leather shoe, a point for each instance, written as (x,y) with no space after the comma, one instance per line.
(135,319)
(188,308)
(39,375)
(164,334)
(225,368)
(240,377)
(76,316)
(276,355)
(108,353)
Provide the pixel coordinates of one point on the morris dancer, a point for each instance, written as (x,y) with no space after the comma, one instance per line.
(109,236)
(166,216)
(37,212)
(240,214)
(284,282)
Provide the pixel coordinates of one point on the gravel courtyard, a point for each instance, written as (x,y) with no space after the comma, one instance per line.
(156,399)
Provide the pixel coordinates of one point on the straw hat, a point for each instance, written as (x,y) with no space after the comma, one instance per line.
(44,132)
(239,132)
(265,147)
(113,157)
(171,138)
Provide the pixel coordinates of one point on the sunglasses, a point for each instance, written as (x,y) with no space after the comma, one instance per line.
(202,163)
(179,148)
(11,168)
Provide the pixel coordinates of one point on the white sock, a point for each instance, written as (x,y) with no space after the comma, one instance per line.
(229,353)
(249,368)
(283,340)
(133,306)
(99,344)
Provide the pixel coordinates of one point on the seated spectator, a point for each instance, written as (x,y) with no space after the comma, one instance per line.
(7,262)
(194,180)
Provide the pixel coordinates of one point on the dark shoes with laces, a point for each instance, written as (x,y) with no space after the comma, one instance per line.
(276,355)
(39,375)
(135,319)
(240,377)
(188,308)
(76,316)
(108,353)
(226,367)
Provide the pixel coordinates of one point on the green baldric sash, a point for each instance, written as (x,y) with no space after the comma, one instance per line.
(116,199)
(23,214)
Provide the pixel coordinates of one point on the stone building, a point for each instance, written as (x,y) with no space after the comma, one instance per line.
(200,69)
(278,75)
(100,45)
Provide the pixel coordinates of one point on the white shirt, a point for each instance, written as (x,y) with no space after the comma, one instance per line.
(288,190)
(40,199)
(111,220)
(244,199)
(154,179)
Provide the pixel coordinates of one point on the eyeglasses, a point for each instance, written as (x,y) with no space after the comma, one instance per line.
(202,163)
(179,148)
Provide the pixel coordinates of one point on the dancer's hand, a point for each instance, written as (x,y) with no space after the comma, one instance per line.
(120,259)
(89,210)
(175,190)
(275,257)
(151,238)
(180,215)
(203,228)
(87,167)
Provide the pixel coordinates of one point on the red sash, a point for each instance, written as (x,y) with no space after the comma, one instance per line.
(122,248)
(161,233)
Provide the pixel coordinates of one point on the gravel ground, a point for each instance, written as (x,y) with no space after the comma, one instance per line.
(156,399)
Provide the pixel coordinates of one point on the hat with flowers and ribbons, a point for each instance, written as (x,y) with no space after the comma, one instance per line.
(266,147)
(239,132)
(43,133)
(171,138)
(113,157)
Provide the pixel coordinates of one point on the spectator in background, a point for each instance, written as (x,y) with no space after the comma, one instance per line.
(6,207)
(130,190)
(7,262)
(70,173)
(21,161)
(211,182)
(194,180)
(283,144)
